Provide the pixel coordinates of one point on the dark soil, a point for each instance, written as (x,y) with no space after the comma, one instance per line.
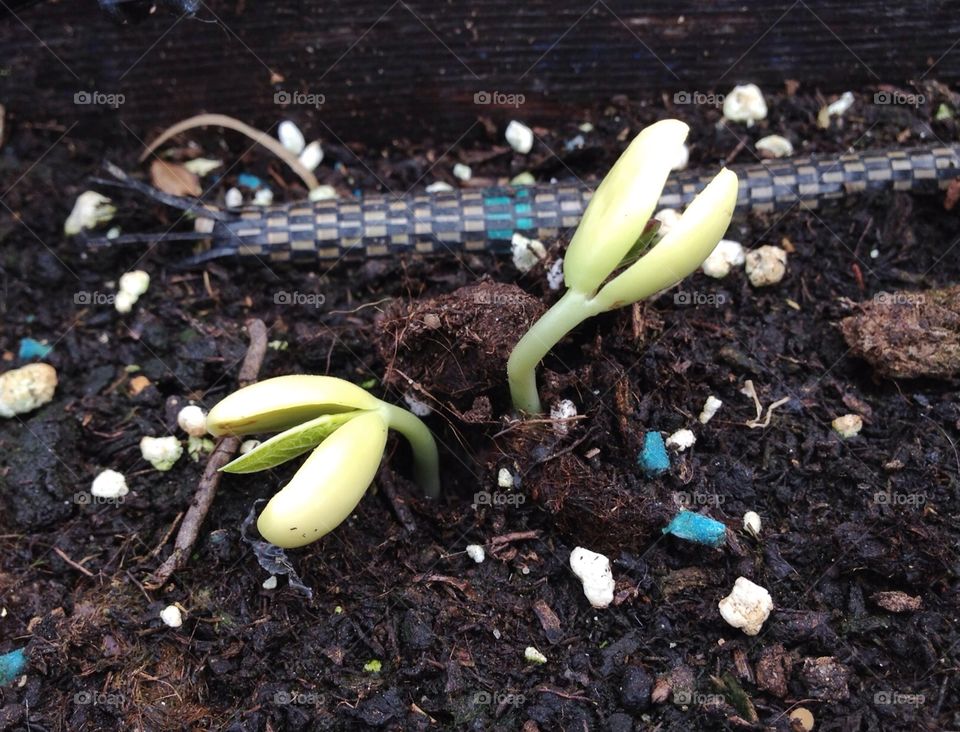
(843,520)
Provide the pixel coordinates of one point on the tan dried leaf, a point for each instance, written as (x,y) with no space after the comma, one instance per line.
(174,179)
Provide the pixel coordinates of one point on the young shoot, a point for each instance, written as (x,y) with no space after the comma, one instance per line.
(612,232)
(344,425)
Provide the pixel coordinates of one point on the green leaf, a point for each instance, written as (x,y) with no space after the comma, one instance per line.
(290,444)
(650,235)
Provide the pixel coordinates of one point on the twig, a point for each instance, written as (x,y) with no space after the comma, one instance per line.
(166,537)
(139,585)
(79,567)
(565,695)
(564,451)
(222,454)
(397,502)
(514,536)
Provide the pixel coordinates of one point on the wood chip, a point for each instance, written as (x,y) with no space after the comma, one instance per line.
(953,194)
(742,665)
(335,654)
(681,580)
(661,690)
(857,405)
(826,678)
(897,602)
(138,384)
(773,670)
(461,585)
(549,620)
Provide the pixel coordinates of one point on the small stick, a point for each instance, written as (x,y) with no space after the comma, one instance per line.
(565,695)
(222,454)
(79,567)
(166,537)
(397,501)
(514,536)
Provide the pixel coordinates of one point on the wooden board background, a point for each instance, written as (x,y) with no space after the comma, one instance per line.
(413,68)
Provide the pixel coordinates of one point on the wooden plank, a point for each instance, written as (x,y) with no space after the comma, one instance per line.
(389,68)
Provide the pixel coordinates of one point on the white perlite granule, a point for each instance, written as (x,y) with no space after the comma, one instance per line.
(595,573)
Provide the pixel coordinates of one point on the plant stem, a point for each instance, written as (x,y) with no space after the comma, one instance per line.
(426,462)
(566,314)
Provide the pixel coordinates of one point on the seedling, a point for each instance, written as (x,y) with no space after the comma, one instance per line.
(345,426)
(612,234)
